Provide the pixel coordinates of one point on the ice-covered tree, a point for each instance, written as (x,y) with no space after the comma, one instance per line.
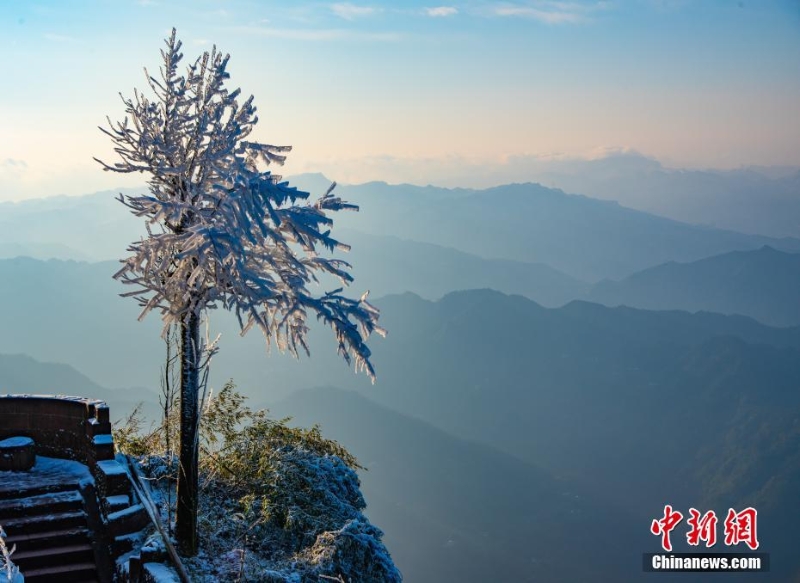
(224,232)
(8,570)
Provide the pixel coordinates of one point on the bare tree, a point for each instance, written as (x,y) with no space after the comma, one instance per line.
(223,231)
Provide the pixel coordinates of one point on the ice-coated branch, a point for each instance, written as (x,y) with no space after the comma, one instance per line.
(222,230)
(8,570)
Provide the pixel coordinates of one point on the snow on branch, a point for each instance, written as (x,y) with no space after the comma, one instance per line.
(8,570)
(223,230)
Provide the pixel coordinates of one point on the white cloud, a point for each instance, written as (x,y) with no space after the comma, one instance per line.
(12,174)
(318,34)
(464,171)
(549,17)
(13,165)
(60,38)
(550,11)
(351,11)
(441,11)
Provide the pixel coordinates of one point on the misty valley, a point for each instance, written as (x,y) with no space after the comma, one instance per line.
(558,368)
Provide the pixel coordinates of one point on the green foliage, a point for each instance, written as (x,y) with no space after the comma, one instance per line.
(281,491)
(232,436)
(129,438)
(289,481)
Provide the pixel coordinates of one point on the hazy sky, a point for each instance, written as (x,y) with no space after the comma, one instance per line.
(414,91)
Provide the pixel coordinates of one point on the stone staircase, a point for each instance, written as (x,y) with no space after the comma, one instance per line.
(49,527)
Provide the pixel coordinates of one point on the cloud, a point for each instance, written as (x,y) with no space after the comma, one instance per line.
(468,171)
(550,11)
(318,34)
(441,11)
(11,172)
(13,165)
(60,38)
(351,11)
(545,16)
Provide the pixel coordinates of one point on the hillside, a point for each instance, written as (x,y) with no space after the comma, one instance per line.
(457,511)
(22,374)
(583,392)
(647,407)
(762,284)
(387,265)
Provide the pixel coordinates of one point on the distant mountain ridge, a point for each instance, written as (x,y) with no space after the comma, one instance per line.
(762,200)
(585,238)
(20,373)
(762,284)
(81,299)
(388,264)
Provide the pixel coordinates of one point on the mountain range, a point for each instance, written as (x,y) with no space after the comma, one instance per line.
(750,199)
(584,238)
(762,284)
(648,407)
(504,435)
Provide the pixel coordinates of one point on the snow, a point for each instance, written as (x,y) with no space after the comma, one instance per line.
(95,402)
(105,439)
(13,442)
(8,570)
(50,497)
(46,471)
(246,243)
(124,512)
(118,500)
(161,573)
(325,532)
(111,468)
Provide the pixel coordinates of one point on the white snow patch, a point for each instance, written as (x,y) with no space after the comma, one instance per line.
(124,512)
(16,442)
(161,573)
(47,471)
(111,468)
(104,439)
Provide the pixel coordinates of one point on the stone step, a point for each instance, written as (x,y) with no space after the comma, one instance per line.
(62,574)
(47,539)
(45,522)
(40,504)
(127,521)
(9,490)
(54,556)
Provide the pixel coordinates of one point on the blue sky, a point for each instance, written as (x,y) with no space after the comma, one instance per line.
(415,91)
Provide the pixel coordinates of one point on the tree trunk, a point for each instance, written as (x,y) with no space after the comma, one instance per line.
(186,518)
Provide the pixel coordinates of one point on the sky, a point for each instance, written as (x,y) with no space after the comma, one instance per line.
(417,92)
